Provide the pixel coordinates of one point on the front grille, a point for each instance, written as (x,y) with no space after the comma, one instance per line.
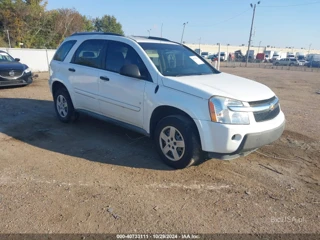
(11,73)
(265,115)
(11,82)
(256,103)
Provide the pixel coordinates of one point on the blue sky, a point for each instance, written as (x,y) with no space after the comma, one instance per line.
(279,23)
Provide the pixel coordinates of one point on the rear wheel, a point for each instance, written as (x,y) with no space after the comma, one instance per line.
(177,142)
(64,107)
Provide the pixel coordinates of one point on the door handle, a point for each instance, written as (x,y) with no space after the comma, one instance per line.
(104,78)
(71,69)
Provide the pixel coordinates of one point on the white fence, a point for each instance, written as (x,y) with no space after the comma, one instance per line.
(37,59)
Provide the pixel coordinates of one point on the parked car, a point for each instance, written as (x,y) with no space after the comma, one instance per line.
(315,64)
(213,57)
(223,56)
(205,54)
(163,90)
(286,62)
(303,62)
(12,72)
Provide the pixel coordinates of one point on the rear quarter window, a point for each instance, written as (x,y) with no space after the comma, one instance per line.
(90,53)
(63,50)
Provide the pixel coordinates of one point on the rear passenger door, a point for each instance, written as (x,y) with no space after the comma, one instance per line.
(85,70)
(121,97)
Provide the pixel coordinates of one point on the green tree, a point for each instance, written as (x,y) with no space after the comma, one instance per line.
(3,43)
(108,23)
(24,20)
(88,24)
(10,20)
(30,23)
(67,21)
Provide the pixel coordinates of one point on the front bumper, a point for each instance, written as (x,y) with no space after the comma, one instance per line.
(227,139)
(25,79)
(251,142)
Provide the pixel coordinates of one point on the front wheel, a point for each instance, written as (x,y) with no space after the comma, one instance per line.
(177,142)
(64,107)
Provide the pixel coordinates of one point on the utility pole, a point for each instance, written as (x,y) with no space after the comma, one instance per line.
(8,38)
(309,48)
(259,47)
(219,54)
(254,12)
(149,30)
(184,25)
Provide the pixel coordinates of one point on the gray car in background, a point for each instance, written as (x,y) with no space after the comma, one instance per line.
(286,62)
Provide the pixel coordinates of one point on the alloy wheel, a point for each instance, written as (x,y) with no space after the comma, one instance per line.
(172,143)
(62,106)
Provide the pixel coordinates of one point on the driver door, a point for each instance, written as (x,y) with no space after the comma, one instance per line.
(121,97)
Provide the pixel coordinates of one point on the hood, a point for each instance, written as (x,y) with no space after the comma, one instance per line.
(222,84)
(12,66)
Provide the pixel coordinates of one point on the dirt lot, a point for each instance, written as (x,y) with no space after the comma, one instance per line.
(93,177)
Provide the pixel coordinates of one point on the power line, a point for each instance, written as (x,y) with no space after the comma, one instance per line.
(294,5)
(226,20)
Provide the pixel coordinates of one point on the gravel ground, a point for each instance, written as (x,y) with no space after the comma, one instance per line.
(93,177)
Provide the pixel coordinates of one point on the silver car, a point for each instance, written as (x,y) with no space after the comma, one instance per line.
(286,62)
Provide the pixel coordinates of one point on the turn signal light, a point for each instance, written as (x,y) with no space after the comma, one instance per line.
(212,112)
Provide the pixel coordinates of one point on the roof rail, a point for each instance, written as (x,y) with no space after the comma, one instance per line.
(95,33)
(154,38)
(159,38)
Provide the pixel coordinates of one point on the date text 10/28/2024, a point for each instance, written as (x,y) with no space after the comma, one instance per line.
(157,236)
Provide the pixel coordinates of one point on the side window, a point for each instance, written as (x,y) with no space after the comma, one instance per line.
(90,53)
(120,54)
(63,50)
(155,58)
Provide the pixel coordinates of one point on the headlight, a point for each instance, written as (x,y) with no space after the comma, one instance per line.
(219,111)
(27,70)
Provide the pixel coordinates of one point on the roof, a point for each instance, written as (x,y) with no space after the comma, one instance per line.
(149,39)
(95,33)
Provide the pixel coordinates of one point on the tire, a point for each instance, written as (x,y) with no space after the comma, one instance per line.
(64,107)
(172,131)
(277,64)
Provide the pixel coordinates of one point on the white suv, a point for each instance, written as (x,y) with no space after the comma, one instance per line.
(166,91)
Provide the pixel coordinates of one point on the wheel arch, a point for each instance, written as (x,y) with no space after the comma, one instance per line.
(163,111)
(57,85)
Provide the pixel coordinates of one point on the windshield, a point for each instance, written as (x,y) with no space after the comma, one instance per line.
(204,53)
(5,57)
(176,60)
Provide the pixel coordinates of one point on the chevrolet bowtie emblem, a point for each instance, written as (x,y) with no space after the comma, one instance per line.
(11,73)
(271,107)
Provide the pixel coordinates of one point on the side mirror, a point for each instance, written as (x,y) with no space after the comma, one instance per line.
(130,70)
(17,59)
